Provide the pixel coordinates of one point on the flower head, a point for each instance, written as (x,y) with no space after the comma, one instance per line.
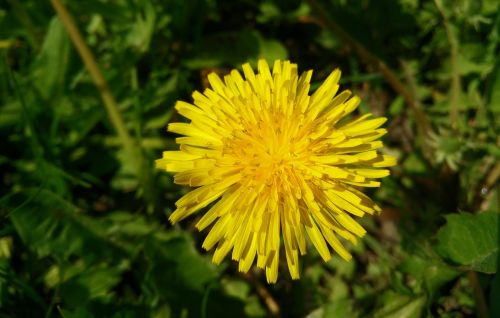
(276,163)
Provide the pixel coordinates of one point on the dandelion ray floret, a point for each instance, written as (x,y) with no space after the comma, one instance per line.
(273,163)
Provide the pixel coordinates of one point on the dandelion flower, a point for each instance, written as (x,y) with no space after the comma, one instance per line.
(273,162)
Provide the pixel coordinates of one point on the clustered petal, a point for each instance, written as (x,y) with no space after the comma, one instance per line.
(273,163)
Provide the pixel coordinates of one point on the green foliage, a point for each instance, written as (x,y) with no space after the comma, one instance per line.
(471,241)
(84,232)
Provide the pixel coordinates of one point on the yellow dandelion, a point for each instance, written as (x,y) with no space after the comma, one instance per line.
(277,164)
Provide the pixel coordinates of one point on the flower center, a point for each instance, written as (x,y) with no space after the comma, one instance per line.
(269,149)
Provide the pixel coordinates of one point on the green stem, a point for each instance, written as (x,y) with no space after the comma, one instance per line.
(133,150)
(96,74)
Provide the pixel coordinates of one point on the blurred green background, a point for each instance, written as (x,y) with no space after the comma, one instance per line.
(83,212)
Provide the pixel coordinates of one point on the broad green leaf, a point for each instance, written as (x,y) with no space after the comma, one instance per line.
(471,241)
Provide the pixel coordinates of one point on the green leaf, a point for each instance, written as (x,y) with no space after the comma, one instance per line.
(471,241)
(401,306)
(143,28)
(50,225)
(490,6)
(52,63)
(93,283)
(272,50)
(235,48)
(79,313)
(341,308)
(177,262)
(431,273)
(178,273)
